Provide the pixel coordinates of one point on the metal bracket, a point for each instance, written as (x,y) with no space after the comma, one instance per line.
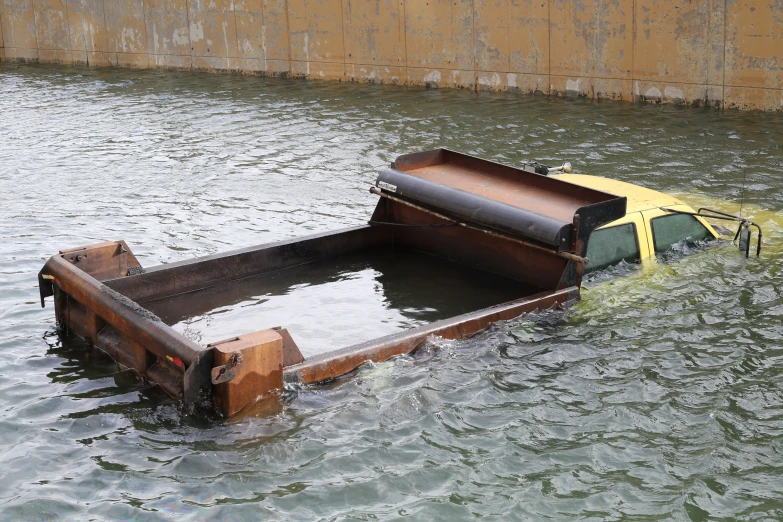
(227,372)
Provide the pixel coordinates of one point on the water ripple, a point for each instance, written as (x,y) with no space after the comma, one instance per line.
(655,397)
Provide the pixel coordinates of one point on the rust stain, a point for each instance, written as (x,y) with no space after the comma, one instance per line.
(718,53)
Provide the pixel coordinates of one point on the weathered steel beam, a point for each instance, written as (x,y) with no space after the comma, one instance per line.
(343,361)
(135,323)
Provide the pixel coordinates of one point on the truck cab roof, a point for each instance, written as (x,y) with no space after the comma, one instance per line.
(639,198)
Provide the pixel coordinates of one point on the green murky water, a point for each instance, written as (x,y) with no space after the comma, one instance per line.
(656,397)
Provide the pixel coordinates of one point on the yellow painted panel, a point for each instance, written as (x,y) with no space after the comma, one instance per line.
(439,34)
(277,67)
(422,76)
(591,39)
(318,70)
(126,31)
(374,32)
(250,30)
(87,25)
(749,98)
(213,30)
(101,59)
(249,6)
(754,45)
(19,53)
(215,63)
(612,89)
(571,85)
(133,60)
(676,40)
(529,36)
(62,56)
(19,28)
(572,39)
(275,33)
(493,27)
(376,73)
(170,61)
(670,92)
(168,32)
(316,31)
(249,65)
(51,25)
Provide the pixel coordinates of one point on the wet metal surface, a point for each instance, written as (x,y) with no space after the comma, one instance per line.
(332,304)
(658,395)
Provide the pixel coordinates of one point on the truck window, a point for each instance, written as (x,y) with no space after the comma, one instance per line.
(609,246)
(674,228)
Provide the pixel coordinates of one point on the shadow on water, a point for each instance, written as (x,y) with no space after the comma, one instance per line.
(655,397)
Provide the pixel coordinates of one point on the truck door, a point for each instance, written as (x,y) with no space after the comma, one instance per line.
(621,240)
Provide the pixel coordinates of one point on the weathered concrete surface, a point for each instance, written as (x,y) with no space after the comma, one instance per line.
(722,53)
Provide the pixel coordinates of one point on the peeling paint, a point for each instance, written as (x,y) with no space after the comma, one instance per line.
(196,34)
(574,86)
(432,77)
(673,93)
(714,53)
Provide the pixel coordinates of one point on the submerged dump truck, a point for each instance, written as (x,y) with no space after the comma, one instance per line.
(513,238)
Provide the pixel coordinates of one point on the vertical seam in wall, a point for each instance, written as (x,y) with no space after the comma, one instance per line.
(723,81)
(263,37)
(35,26)
(405,39)
(475,54)
(599,4)
(549,46)
(106,30)
(190,41)
(708,39)
(288,33)
(345,53)
(236,38)
(68,25)
(146,35)
(633,49)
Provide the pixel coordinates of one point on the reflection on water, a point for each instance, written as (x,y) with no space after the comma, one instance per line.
(656,397)
(339,302)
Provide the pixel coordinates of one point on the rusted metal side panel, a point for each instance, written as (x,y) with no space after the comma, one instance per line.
(195,274)
(247,368)
(476,249)
(340,362)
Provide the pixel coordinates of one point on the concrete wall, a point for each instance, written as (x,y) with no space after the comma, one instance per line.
(726,53)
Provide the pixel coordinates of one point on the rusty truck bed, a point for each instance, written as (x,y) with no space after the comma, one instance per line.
(454,244)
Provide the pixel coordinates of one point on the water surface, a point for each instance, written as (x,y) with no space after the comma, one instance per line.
(338,302)
(656,397)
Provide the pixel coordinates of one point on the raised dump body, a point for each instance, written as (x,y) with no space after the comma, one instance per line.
(455,243)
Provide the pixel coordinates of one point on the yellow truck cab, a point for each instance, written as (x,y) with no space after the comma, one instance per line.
(645,230)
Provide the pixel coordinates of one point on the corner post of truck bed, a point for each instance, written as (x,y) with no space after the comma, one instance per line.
(129,333)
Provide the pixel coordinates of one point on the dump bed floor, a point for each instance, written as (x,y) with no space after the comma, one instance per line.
(339,302)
